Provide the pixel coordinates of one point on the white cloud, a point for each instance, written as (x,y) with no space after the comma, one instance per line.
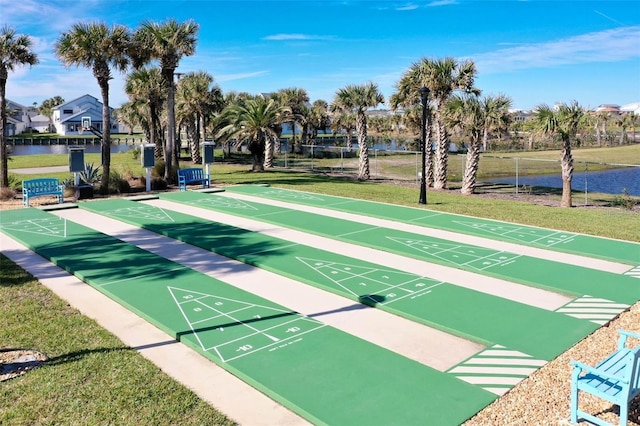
(239,76)
(409,6)
(442,3)
(605,46)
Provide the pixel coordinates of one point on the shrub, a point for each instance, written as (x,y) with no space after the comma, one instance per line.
(90,175)
(118,184)
(7,194)
(158,184)
(625,200)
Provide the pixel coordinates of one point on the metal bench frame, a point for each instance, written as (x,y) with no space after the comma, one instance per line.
(616,379)
(39,187)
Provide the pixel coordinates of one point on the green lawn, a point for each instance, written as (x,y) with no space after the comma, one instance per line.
(91,376)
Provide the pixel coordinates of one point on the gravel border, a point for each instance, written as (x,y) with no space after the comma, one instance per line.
(544,397)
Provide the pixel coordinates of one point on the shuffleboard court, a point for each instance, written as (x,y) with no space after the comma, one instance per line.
(541,273)
(325,375)
(616,250)
(464,312)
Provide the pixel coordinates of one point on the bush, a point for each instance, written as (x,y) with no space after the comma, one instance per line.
(135,152)
(158,170)
(626,201)
(118,184)
(90,175)
(7,194)
(158,184)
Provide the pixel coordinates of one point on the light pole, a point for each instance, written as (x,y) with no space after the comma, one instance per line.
(424,97)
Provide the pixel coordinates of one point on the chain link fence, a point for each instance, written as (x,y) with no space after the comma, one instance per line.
(518,175)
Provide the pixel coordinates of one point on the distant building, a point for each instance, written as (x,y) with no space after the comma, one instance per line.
(520,115)
(608,108)
(70,117)
(19,118)
(633,108)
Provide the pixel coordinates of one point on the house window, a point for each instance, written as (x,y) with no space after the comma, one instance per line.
(67,111)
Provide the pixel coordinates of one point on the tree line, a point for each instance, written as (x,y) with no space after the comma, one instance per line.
(161,102)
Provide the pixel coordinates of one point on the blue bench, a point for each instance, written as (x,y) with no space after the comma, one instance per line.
(40,187)
(192,176)
(616,379)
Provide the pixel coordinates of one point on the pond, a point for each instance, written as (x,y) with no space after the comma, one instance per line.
(614,181)
(63,149)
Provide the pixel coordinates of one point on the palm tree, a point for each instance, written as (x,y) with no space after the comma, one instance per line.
(466,113)
(442,77)
(625,121)
(129,115)
(295,99)
(357,99)
(564,122)
(254,120)
(318,118)
(475,117)
(167,42)
(46,108)
(196,99)
(496,116)
(99,48)
(15,50)
(342,121)
(144,87)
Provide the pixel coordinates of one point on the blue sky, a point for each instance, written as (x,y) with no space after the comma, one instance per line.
(533,51)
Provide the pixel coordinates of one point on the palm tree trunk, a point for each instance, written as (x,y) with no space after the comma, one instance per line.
(361,129)
(257,153)
(430,156)
(471,168)
(171,124)
(106,136)
(4,164)
(194,145)
(566,161)
(293,137)
(442,154)
(268,152)
(348,142)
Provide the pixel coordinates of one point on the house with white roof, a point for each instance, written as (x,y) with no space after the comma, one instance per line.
(40,123)
(70,117)
(633,108)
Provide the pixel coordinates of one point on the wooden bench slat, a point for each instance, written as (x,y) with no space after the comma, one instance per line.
(615,379)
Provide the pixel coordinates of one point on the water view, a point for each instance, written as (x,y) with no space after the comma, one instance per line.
(607,181)
(63,149)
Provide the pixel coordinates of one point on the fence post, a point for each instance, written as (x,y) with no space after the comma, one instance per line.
(586,181)
(375,161)
(517,171)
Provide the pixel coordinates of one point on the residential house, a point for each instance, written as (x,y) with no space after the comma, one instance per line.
(70,117)
(40,123)
(18,118)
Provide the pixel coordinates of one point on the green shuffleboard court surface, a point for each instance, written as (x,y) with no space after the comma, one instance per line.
(604,248)
(541,273)
(323,374)
(485,318)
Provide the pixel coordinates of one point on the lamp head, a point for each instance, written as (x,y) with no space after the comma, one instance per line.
(424,94)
